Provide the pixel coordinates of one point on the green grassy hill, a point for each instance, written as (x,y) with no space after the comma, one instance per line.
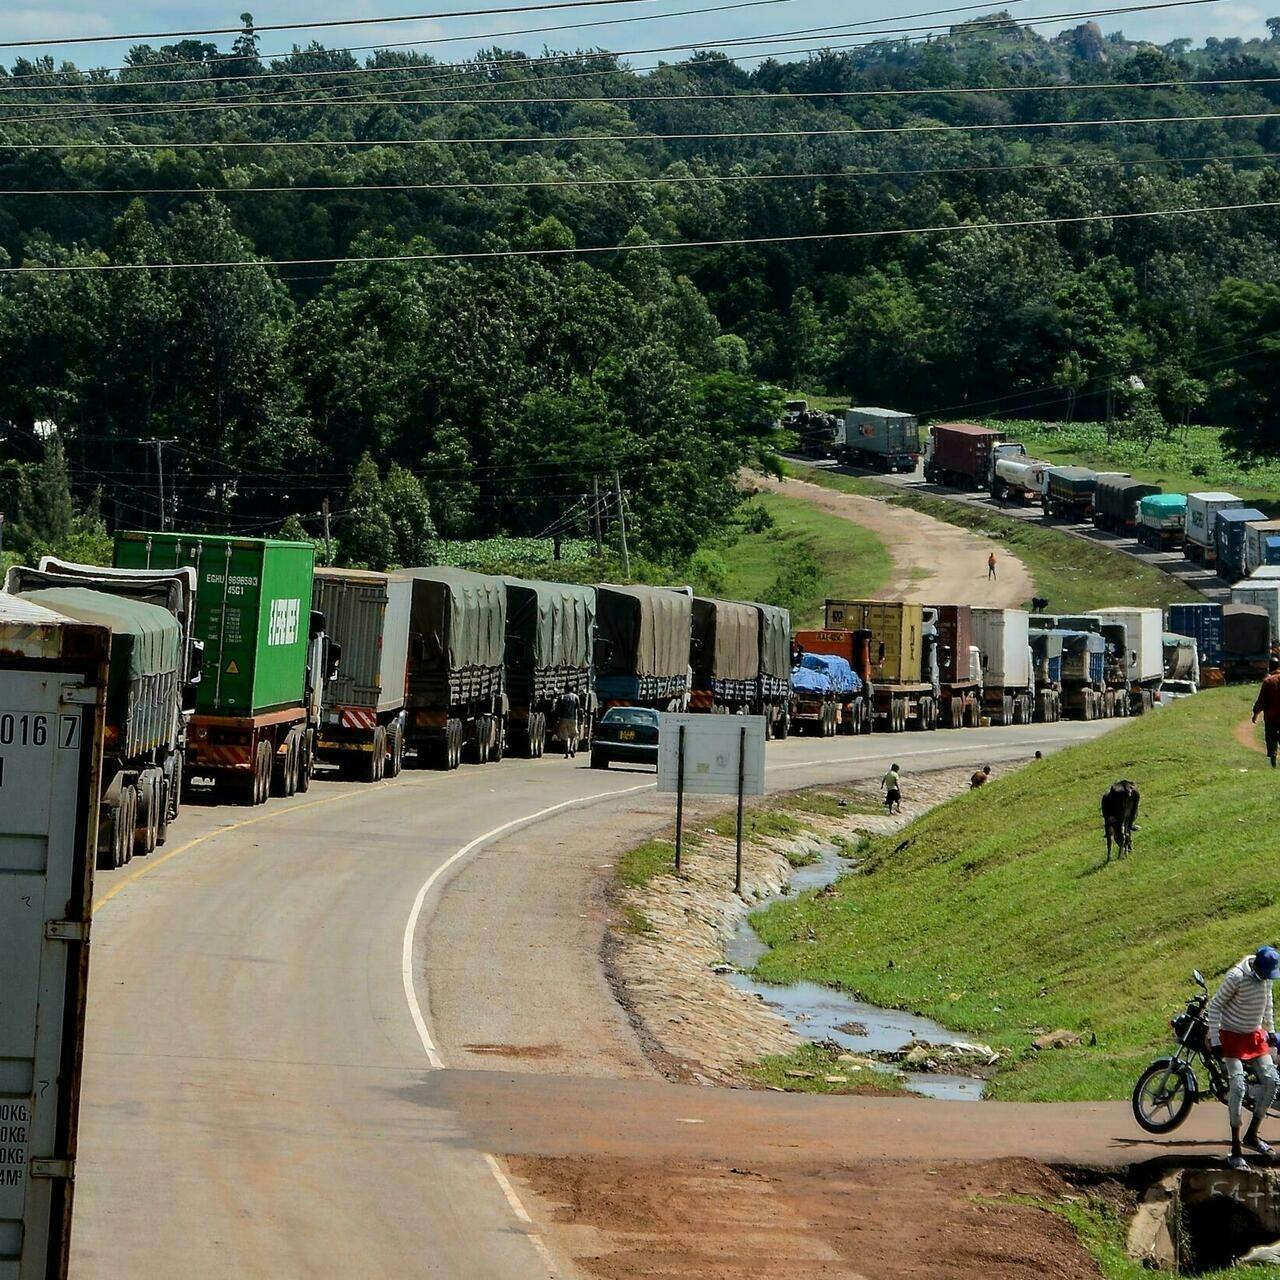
(996,914)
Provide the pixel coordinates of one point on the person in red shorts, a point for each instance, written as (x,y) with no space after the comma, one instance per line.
(1242,1029)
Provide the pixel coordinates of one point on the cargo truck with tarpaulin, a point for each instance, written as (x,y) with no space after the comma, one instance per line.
(901,661)
(724,655)
(643,639)
(1162,518)
(848,705)
(457,700)
(1265,595)
(550,645)
(148,694)
(1115,502)
(963,455)
(1008,688)
(774,690)
(1069,493)
(1201,620)
(1144,631)
(959,676)
(1198,542)
(1115,636)
(1229,534)
(884,439)
(1085,695)
(1246,642)
(266,657)
(54,674)
(362,715)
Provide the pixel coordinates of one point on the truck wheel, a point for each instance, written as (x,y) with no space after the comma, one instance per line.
(373,765)
(540,735)
(1006,710)
(280,762)
(263,769)
(783,728)
(498,747)
(306,762)
(128,819)
(395,751)
(453,734)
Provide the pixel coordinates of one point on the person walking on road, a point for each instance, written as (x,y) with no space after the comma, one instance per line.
(1242,1030)
(981,778)
(991,567)
(567,723)
(1268,707)
(892,794)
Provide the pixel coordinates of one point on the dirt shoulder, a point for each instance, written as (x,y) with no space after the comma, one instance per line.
(932,560)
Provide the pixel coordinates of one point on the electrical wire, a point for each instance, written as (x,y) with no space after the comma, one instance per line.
(655,246)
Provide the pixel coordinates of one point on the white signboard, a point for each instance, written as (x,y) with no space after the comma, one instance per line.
(712,748)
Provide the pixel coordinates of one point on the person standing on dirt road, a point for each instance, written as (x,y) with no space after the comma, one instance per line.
(991,567)
(1268,707)
(1242,1030)
(892,794)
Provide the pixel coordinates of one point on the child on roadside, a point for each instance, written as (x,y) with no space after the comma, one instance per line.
(892,793)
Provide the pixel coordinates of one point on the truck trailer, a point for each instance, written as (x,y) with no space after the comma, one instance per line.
(963,455)
(1068,493)
(849,705)
(1202,621)
(1229,536)
(1266,595)
(1246,642)
(724,655)
(457,701)
(643,640)
(1085,695)
(1115,502)
(959,677)
(1261,545)
(1009,691)
(1181,666)
(1198,543)
(774,689)
(551,629)
(362,713)
(266,657)
(1144,629)
(1162,519)
(883,439)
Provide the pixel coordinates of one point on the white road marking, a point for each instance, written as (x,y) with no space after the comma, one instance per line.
(513,1199)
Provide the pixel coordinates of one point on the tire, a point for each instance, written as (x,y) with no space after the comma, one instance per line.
(306,762)
(370,772)
(395,750)
(783,730)
(279,784)
(162,813)
(145,838)
(263,773)
(128,824)
(599,760)
(1006,710)
(293,764)
(1163,1097)
(498,748)
(455,743)
(538,735)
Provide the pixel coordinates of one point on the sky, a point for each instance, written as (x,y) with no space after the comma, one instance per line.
(74,18)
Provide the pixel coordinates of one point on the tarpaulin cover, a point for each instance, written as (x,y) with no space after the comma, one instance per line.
(1179,657)
(461,617)
(647,630)
(1120,495)
(1072,480)
(549,624)
(1246,631)
(824,673)
(1163,506)
(145,639)
(775,640)
(1047,644)
(726,640)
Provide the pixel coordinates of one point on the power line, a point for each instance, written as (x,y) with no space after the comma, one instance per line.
(656,246)
(561,139)
(657,180)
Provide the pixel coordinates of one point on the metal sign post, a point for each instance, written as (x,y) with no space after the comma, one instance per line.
(742,778)
(680,800)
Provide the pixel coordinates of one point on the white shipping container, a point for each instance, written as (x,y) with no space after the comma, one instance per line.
(1145,631)
(1266,573)
(1003,636)
(1261,543)
(1265,595)
(1202,511)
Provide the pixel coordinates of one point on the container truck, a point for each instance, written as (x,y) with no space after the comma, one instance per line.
(1046,672)
(902,660)
(884,439)
(959,677)
(1261,545)
(1009,692)
(963,455)
(456,703)
(1068,493)
(1202,621)
(154,772)
(1115,635)
(774,690)
(823,699)
(1022,479)
(1228,539)
(362,714)
(724,655)
(1181,666)
(1085,695)
(54,681)
(1144,629)
(266,657)
(549,651)
(1161,520)
(1198,542)
(643,639)
(1246,642)
(1265,595)
(1115,502)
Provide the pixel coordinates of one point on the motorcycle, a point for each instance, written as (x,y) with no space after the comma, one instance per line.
(1168,1089)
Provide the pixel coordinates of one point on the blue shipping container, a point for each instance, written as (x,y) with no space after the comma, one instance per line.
(1228,534)
(1203,623)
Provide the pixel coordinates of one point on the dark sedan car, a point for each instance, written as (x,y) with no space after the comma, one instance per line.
(626,735)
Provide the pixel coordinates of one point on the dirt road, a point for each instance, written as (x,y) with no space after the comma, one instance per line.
(932,560)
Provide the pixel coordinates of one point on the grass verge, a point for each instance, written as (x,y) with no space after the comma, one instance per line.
(1073,574)
(996,915)
(805,1070)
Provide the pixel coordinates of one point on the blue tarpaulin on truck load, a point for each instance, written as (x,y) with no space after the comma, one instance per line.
(824,673)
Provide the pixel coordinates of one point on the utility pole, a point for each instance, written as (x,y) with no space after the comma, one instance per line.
(159,447)
(324,511)
(595,511)
(622,524)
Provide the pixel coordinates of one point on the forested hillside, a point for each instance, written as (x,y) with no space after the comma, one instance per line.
(499,394)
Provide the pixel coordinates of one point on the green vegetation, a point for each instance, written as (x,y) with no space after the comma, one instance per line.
(996,915)
(638,866)
(804,1070)
(1071,573)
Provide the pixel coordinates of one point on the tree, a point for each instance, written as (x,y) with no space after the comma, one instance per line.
(368,540)
(407,507)
(1071,378)
(46,511)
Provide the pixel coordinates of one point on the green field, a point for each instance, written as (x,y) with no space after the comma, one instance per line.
(1183,462)
(997,915)
(1073,574)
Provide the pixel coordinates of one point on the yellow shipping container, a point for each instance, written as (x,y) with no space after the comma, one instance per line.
(896,628)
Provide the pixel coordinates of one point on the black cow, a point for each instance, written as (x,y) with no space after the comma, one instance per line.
(1039,604)
(1119,812)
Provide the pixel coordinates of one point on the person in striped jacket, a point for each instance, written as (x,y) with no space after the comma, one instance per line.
(1242,1030)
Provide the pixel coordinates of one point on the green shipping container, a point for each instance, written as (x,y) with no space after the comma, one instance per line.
(253,609)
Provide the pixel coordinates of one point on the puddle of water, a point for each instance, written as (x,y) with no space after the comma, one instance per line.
(822,1013)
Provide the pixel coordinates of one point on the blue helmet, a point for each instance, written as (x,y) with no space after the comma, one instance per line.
(1266,962)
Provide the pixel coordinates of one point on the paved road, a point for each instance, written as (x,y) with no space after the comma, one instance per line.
(258,1099)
